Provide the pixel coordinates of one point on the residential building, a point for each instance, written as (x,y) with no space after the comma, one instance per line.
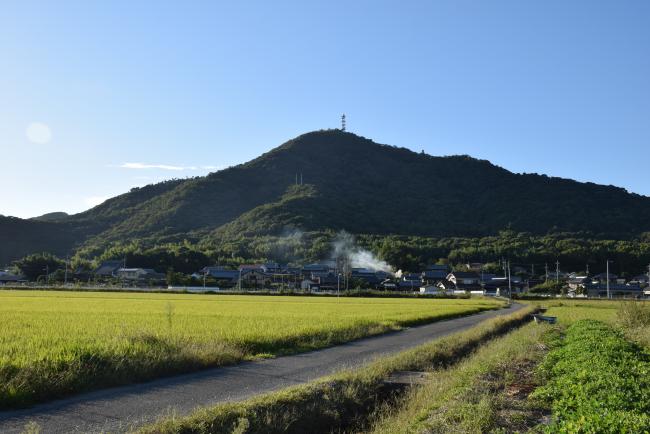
(616,290)
(464,278)
(139,274)
(108,268)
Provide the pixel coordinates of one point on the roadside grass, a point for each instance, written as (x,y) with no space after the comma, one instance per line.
(486,392)
(596,381)
(634,318)
(340,403)
(57,343)
(491,391)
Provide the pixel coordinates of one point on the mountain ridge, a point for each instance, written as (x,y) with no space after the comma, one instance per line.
(349,183)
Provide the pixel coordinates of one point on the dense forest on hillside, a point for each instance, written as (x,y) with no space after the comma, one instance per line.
(408,253)
(348,183)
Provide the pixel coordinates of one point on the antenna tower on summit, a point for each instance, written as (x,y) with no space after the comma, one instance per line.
(343,122)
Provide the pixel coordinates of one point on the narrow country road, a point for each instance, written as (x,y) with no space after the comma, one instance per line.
(123,408)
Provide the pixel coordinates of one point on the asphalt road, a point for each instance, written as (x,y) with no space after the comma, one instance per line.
(123,408)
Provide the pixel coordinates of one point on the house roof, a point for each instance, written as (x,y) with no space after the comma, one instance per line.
(464,275)
(108,267)
(434,274)
(316,267)
(604,276)
(6,277)
(250,267)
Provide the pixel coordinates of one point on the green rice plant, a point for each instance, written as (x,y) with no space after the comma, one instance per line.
(57,343)
(597,382)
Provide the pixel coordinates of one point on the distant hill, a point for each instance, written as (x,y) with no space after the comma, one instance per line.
(51,217)
(351,183)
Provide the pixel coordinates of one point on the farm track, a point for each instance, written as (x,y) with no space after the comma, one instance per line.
(123,408)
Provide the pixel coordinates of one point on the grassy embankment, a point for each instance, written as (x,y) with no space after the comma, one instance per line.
(57,343)
(345,401)
(593,380)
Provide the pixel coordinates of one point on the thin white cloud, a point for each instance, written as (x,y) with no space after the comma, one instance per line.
(145,166)
(39,133)
(155,166)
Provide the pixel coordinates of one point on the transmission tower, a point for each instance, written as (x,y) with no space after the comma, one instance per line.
(343,122)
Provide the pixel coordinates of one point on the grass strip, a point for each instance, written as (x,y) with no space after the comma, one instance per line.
(486,392)
(597,381)
(344,401)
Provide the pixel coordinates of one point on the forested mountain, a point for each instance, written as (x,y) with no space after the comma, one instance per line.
(348,182)
(52,217)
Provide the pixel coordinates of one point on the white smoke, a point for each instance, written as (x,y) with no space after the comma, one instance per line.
(345,248)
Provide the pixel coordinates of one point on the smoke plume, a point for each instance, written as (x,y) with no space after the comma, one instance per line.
(345,248)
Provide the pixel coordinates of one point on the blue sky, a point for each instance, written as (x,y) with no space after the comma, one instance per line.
(98,97)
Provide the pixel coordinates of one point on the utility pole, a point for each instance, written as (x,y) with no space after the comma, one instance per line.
(509,282)
(607,278)
(338,284)
(205,275)
(65,278)
(557,271)
(587,273)
(532,269)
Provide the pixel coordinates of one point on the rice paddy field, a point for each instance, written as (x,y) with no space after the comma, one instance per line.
(56,343)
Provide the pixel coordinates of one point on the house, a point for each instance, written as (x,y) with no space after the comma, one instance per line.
(139,274)
(309,285)
(464,278)
(368,276)
(254,277)
(108,268)
(318,268)
(474,266)
(433,276)
(388,285)
(250,267)
(272,268)
(486,277)
(602,278)
(221,274)
(578,283)
(641,279)
(6,278)
(327,279)
(432,289)
(503,286)
(616,290)
(409,285)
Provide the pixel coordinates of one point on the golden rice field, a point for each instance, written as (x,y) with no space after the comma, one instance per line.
(57,343)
